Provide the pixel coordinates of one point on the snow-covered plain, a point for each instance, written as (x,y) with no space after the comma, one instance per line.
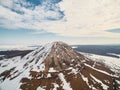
(16,47)
(111,62)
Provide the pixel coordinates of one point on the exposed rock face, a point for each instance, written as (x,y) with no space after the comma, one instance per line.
(62,56)
(56,66)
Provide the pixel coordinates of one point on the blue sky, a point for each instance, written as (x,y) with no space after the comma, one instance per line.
(32,22)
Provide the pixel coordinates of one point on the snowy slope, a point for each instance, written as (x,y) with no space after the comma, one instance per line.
(21,66)
(56,66)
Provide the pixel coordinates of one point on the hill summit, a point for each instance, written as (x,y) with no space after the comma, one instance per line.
(56,66)
(62,56)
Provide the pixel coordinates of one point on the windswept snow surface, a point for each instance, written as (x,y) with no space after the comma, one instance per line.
(112,62)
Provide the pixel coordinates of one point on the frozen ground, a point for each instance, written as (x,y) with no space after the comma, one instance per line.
(112,62)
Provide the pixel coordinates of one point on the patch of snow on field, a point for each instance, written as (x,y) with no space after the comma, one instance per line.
(74,47)
(39,88)
(75,71)
(86,80)
(114,54)
(66,86)
(2,55)
(52,70)
(48,75)
(105,87)
(55,86)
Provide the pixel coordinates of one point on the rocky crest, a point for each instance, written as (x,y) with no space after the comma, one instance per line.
(62,57)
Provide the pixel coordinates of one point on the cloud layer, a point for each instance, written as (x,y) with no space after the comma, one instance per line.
(81,18)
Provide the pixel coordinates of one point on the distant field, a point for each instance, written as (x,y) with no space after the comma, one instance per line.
(94,49)
(99,49)
(10,54)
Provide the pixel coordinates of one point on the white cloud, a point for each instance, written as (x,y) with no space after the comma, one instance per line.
(83,18)
(90,18)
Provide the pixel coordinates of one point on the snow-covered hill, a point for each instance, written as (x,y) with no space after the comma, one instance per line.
(56,66)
